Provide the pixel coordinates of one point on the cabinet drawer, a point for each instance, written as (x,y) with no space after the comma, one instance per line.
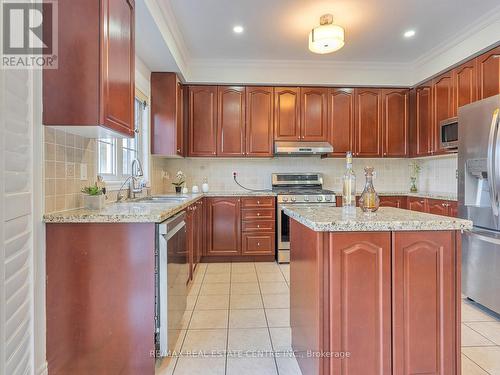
(258,226)
(258,243)
(258,214)
(257,202)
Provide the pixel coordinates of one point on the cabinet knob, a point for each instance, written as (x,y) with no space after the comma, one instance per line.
(178,150)
(258,214)
(258,202)
(258,243)
(258,226)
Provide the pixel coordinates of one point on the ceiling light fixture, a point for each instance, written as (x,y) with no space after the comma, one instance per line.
(238,29)
(327,37)
(409,33)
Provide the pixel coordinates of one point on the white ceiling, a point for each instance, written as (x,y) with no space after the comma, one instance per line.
(273,47)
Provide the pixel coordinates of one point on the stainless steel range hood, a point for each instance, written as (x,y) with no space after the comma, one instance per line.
(302,148)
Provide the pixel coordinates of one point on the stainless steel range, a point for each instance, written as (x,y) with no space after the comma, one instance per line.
(296,188)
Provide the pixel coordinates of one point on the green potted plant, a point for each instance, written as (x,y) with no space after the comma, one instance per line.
(93,197)
(179,180)
(415,169)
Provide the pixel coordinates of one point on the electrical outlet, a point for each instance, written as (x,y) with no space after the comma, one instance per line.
(83,171)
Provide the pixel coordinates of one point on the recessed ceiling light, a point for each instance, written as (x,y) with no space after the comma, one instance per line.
(238,29)
(409,33)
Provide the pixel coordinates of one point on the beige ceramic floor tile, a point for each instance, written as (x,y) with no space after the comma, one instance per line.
(267,267)
(181,334)
(288,366)
(472,313)
(251,318)
(190,301)
(472,338)
(245,288)
(278,317)
(206,319)
(214,268)
(199,274)
(243,277)
(205,340)
(271,277)
(274,288)
(470,368)
(194,289)
(243,268)
(246,301)
(281,338)
(251,339)
(214,289)
(487,357)
(251,366)
(217,278)
(165,366)
(490,330)
(276,301)
(212,302)
(186,318)
(200,365)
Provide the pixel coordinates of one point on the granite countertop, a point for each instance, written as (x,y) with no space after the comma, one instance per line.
(432,195)
(331,219)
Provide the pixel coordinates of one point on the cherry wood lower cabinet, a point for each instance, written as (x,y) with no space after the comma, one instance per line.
(375,303)
(223,226)
(393,201)
(433,206)
(100,294)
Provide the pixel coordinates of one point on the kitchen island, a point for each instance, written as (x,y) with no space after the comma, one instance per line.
(375,294)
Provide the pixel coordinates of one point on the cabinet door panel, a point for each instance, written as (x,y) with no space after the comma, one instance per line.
(397,202)
(395,123)
(443,107)
(230,121)
(341,120)
(488,65)
(314,114)
(286,114)
(424,330)
(360,302)
(423,120)
(259,121)
(202,120)
(465,84)
(417,204)
(368,120)
(223,225)
(118,65)
(437,207)
(258,243)
(258,214)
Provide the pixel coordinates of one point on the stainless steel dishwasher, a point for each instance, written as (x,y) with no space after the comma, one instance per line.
(172,275)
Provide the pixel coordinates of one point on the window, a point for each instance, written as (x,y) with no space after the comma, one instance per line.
(115,155)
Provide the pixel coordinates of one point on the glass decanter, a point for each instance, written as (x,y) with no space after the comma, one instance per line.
(369,200)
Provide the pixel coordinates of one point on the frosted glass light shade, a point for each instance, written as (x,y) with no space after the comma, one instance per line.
(326,39)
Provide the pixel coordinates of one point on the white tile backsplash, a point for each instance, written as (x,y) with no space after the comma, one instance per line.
(438,174)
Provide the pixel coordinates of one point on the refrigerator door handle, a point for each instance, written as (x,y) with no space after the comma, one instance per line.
(496,121)
(492,154)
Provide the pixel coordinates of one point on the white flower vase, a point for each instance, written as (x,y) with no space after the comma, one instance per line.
(93,202)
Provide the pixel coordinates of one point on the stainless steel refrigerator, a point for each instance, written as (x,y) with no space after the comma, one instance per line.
(479,199)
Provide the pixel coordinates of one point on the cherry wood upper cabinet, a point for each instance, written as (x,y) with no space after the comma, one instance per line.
(314,114)
(424,303)
(259,121)
(488,66)
(286,114)
(442,104)
(368,122)
(423,120)
(231,121)
(465,84)
(93,90)
(395,122)
(360,287)
(202,120)
(167,123)
(341,120)
(223,226)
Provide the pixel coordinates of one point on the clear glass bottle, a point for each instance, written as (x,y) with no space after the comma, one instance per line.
(349,186)
(369,200)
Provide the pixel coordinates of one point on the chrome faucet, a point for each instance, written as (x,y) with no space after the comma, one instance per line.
(135,181)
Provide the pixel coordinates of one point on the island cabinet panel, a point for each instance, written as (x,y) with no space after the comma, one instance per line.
(259,121)
(314,114)
(223,226)
(368,122)
(231,121)
(424,303)
(360,302)
(202,122)
(395,122)
(442,105)
(488,66)
(286,113)
(423,120)
(100,293)
(341,120)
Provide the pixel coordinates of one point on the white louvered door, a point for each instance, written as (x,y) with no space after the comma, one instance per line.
(16,235)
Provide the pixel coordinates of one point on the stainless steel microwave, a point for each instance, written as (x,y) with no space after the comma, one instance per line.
(448,133)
